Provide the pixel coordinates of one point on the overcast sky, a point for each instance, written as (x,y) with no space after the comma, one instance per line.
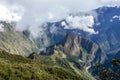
(36,12)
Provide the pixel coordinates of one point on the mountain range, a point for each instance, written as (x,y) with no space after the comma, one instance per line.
(70,52)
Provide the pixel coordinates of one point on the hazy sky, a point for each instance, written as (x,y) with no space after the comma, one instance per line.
(36,12)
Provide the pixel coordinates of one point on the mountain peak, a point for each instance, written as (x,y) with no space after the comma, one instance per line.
(82,49)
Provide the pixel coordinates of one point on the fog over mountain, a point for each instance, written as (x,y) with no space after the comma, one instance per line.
(33,14)
(59,39)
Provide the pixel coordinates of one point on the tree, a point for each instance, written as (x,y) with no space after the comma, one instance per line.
(111,72)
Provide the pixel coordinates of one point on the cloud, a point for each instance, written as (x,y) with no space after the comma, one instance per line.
(9,15)
(110,2)
(84,23)
(36,12)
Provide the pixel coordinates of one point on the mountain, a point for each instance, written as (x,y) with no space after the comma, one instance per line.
(22,43)
(107,24)
(64,53)
(109,28)
(110,71)
(16,67)
(70,66)
(14,41)
(77,49)
(53,33)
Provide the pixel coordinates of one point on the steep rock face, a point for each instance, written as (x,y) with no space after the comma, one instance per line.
(107,24)
(83,50)
(71,45)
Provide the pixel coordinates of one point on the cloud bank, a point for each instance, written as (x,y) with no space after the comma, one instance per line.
(84,23)
(7,14)
(31,13)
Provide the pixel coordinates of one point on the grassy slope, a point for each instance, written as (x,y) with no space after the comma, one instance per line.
(15,42)
(14,67)
(69,66)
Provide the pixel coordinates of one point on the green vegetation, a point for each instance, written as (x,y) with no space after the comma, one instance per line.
(14,67)
(68,64)
(111,72)
(15,42)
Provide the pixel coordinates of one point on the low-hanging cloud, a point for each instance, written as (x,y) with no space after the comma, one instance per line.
(31,13)
(84,23)
(7,14)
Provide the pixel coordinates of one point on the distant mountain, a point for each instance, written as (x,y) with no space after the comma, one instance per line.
(15,42)
(22,43)
(73,51)
(76,48)
(107,24)
(109,29)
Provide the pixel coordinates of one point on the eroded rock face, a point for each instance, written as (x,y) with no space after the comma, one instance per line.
(85,51)
(84,48)
(71,45)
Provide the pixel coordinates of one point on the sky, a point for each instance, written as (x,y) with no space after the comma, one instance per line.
(30,14)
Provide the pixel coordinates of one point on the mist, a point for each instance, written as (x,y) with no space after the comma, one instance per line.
(32,14)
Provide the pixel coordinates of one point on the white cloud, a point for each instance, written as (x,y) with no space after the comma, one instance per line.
(110,2)
(39,11)
(8,15)
(63,23)
(84,23)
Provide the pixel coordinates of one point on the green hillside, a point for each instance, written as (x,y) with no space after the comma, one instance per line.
(14,67)
(15,42)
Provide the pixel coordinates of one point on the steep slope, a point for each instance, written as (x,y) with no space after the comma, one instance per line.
(15,67)
(107,24)
(77,53)
(74,46)
(52,34)
(109,70)
(109,29)
(15,42)
(108,37)
(53,60)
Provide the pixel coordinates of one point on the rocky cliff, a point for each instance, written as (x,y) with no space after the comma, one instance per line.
(82,50)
